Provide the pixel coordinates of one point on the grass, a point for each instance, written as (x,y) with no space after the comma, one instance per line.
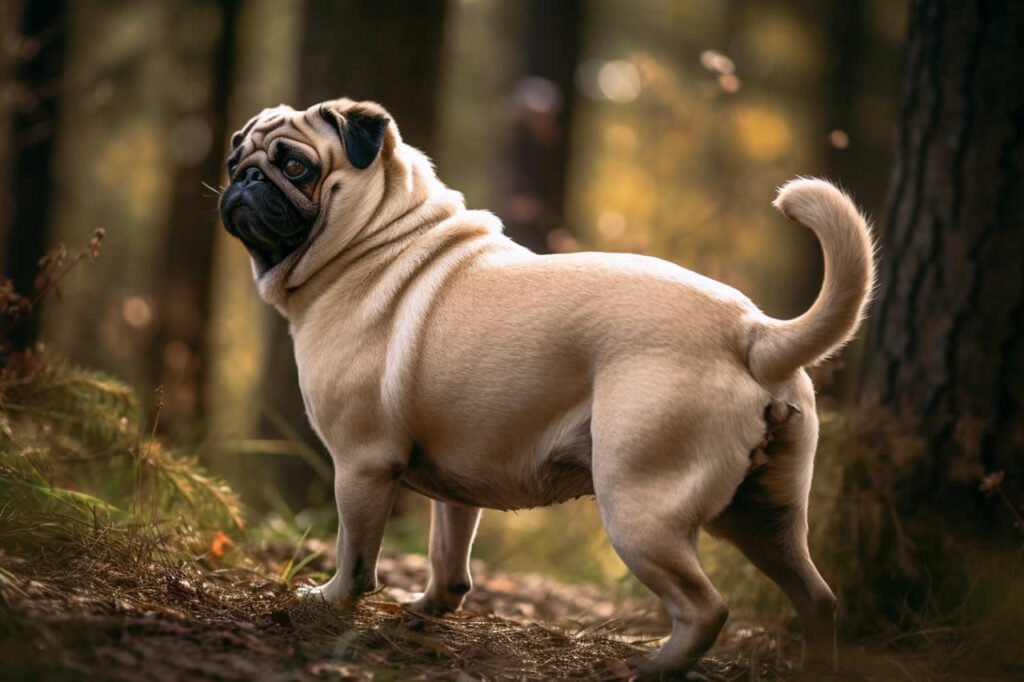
(295,566)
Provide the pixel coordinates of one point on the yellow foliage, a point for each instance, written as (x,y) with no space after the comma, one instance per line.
(783,43)
(764,134)
(621,138)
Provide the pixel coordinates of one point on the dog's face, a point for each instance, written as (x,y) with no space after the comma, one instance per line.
(292,172)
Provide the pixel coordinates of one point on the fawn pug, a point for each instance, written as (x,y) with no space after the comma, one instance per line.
(434,353)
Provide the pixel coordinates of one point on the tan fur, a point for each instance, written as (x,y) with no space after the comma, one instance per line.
(435,353)
(782,347)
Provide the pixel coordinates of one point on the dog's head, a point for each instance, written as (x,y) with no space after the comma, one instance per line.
(294,172)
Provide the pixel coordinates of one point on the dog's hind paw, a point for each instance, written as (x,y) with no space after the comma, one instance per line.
(424,603)
(648,669)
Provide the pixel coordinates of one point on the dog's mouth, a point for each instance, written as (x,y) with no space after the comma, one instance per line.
(262,218)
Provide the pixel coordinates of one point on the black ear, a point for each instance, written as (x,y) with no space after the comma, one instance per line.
(362,133)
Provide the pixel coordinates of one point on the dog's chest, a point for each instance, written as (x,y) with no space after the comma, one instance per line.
(339,377)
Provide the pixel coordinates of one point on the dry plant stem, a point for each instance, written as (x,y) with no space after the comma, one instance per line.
(1018,519)
(91,250)
(55,280)
(141,460)
(992,484)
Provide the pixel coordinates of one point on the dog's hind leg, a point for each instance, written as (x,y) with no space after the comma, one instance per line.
(652,508)
(661,552)
(452,529)
(775,541)
(664,461)
(767,522)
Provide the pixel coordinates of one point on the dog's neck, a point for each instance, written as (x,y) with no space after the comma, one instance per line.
(413,202)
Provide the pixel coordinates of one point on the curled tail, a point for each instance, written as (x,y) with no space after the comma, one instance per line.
(780,347)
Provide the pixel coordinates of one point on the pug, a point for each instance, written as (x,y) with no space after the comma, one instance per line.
(436,354)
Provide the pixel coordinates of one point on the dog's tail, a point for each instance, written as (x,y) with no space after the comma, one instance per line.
(781,347)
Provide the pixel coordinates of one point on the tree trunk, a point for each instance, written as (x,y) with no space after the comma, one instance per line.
(858,78)
(534,181)
(944,363)
(389,52)
(44,31)
(198,139)
(10,13)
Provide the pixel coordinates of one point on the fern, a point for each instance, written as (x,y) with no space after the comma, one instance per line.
(180,479)
(70,448)
(95,410)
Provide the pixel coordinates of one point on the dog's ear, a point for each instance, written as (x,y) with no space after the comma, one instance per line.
(362,129)
(239,136)
(236,141)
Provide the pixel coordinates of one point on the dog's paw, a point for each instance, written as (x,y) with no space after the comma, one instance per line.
(649,669)
(643,668)
(311,593)
(424,603)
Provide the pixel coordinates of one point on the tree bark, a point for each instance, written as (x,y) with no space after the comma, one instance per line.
(389,52)
(199,138)
(944,361)
(10,14)
(44,31)
(533,184)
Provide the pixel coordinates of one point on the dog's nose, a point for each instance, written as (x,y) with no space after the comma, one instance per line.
(252,175)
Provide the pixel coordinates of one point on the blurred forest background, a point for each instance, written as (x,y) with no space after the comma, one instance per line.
(654,126)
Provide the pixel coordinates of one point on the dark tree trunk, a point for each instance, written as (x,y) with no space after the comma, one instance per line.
(390,52)
(858,77)
(10,14)
(944,362)
(844,23)
(199,138)
(44,31)
(534,178)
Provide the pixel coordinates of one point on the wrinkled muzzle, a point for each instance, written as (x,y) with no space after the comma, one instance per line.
(255,211)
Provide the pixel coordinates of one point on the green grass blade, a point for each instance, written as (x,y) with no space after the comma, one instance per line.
(290,570)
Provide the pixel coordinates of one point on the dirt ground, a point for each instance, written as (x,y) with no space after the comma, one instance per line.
(160,621)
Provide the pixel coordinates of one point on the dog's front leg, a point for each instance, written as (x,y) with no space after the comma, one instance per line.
(364,490)
(452,529)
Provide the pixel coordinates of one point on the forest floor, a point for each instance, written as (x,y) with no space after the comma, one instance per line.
(91,618)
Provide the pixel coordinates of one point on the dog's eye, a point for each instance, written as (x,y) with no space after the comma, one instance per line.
(294,169)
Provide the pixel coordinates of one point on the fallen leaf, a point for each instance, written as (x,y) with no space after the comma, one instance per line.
(220,543)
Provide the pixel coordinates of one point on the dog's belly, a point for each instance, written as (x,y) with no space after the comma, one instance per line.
(506,480)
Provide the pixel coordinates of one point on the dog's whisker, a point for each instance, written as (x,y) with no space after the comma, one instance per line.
(217,191)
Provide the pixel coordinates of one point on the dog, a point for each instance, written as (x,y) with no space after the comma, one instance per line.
(435,353)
